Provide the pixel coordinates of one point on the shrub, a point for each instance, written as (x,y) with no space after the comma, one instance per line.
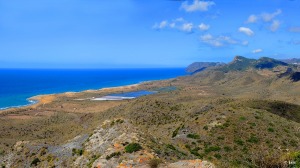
(205,127)
(227,149)
(92,160)
(175,132)
(171,147)
(293,143)
(239,142)
(193,136)
(195,152)
(153,163)
(270,129)
(242,118)
(35,162)
(133,147)
(253,139)
(113,155)
(212,149)
(221,138)
(296,158)
(77,152)
(218,156)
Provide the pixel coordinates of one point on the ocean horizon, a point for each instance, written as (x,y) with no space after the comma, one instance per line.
(18,85)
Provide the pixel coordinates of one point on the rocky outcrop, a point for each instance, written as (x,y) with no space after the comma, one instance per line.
(190,164)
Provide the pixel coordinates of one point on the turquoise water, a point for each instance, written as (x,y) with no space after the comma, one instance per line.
(17,85)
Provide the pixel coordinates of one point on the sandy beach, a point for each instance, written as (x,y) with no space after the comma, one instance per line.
(42,100)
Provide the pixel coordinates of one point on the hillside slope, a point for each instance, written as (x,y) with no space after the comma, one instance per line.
(242,114)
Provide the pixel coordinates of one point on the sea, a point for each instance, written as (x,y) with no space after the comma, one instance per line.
(18,85)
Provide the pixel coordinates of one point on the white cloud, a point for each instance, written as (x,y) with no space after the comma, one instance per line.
(246,31)
(179,19)
(267,17)
(161,25)
(245,43)
(252,19)
(197,5)
(218,41)
(176,24)
(275,25)
(173,25)
(187,27)
(203,26)
(257,51)
(206,37)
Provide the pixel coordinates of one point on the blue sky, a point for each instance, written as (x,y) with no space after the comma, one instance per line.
(138,33)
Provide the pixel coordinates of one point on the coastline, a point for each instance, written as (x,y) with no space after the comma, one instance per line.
(43,99)
(48,98)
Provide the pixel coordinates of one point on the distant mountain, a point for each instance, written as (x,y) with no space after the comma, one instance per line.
(276,67)
(292,61)
(242,63)
(200,66)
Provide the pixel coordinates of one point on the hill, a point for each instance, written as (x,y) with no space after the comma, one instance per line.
(242,114)
(292,61)
(200,66)
(241,63)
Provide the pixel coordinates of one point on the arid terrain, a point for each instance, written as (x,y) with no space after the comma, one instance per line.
(242,114)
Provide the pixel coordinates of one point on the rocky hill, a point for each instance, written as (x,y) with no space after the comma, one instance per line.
(242,114)
(241,63)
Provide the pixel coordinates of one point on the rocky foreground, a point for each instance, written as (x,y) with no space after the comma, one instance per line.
(107,147)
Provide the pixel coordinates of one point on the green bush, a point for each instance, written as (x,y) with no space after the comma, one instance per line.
(193,136)
(92,160)
(171,147)
(195,152)
(35,162)
(218,156)
(113,155)
(270,129)
(77,152)
(212,149)
(205,127)
(242,118)
(239,142)
(296,158)
(175,132)
(253,139)
(227,149)
(133,147)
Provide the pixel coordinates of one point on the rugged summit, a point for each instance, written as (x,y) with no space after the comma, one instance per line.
(242,63)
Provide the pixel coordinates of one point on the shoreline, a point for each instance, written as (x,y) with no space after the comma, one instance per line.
(48,98)
(41,99)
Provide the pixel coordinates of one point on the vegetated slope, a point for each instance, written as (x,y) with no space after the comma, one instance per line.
(227,132)
(234,118)
(244,114)
(242,63)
